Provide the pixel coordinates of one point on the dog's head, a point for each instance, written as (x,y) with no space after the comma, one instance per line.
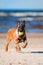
(21,26)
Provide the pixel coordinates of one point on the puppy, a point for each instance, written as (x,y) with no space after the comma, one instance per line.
(18,35)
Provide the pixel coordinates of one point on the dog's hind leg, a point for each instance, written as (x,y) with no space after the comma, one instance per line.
(7,42)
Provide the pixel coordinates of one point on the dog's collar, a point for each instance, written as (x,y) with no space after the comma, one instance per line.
(19,33)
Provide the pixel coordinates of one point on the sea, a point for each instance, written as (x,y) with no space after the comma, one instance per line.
(7,22)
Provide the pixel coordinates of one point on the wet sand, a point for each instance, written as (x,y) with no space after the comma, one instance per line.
(31,55)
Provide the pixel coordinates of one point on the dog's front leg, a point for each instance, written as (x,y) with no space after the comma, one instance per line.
(24,44)
(18,49)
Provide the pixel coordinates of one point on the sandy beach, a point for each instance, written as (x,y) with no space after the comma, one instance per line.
(31,55)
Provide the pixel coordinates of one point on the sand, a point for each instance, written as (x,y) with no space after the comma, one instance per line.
(31,55)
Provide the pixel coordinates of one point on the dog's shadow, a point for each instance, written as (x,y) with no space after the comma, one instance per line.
(33,52)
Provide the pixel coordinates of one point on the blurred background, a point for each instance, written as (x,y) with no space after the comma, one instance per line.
(30,11)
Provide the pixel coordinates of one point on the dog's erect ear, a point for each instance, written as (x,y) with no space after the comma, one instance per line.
(24,22)
(18,23)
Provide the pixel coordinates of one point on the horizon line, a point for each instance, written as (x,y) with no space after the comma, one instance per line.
(21,10)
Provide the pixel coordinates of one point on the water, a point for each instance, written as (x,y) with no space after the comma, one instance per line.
(7,22)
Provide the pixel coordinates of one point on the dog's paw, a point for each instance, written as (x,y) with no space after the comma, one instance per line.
(6,49)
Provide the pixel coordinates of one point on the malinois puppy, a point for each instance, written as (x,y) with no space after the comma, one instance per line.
(18,35)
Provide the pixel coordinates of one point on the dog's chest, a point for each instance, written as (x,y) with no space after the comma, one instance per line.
(22,38)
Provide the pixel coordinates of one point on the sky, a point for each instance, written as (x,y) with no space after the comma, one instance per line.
(21,4)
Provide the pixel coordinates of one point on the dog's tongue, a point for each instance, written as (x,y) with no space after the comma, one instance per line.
(21,33)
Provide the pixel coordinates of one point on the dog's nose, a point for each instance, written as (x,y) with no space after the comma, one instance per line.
(20,30)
